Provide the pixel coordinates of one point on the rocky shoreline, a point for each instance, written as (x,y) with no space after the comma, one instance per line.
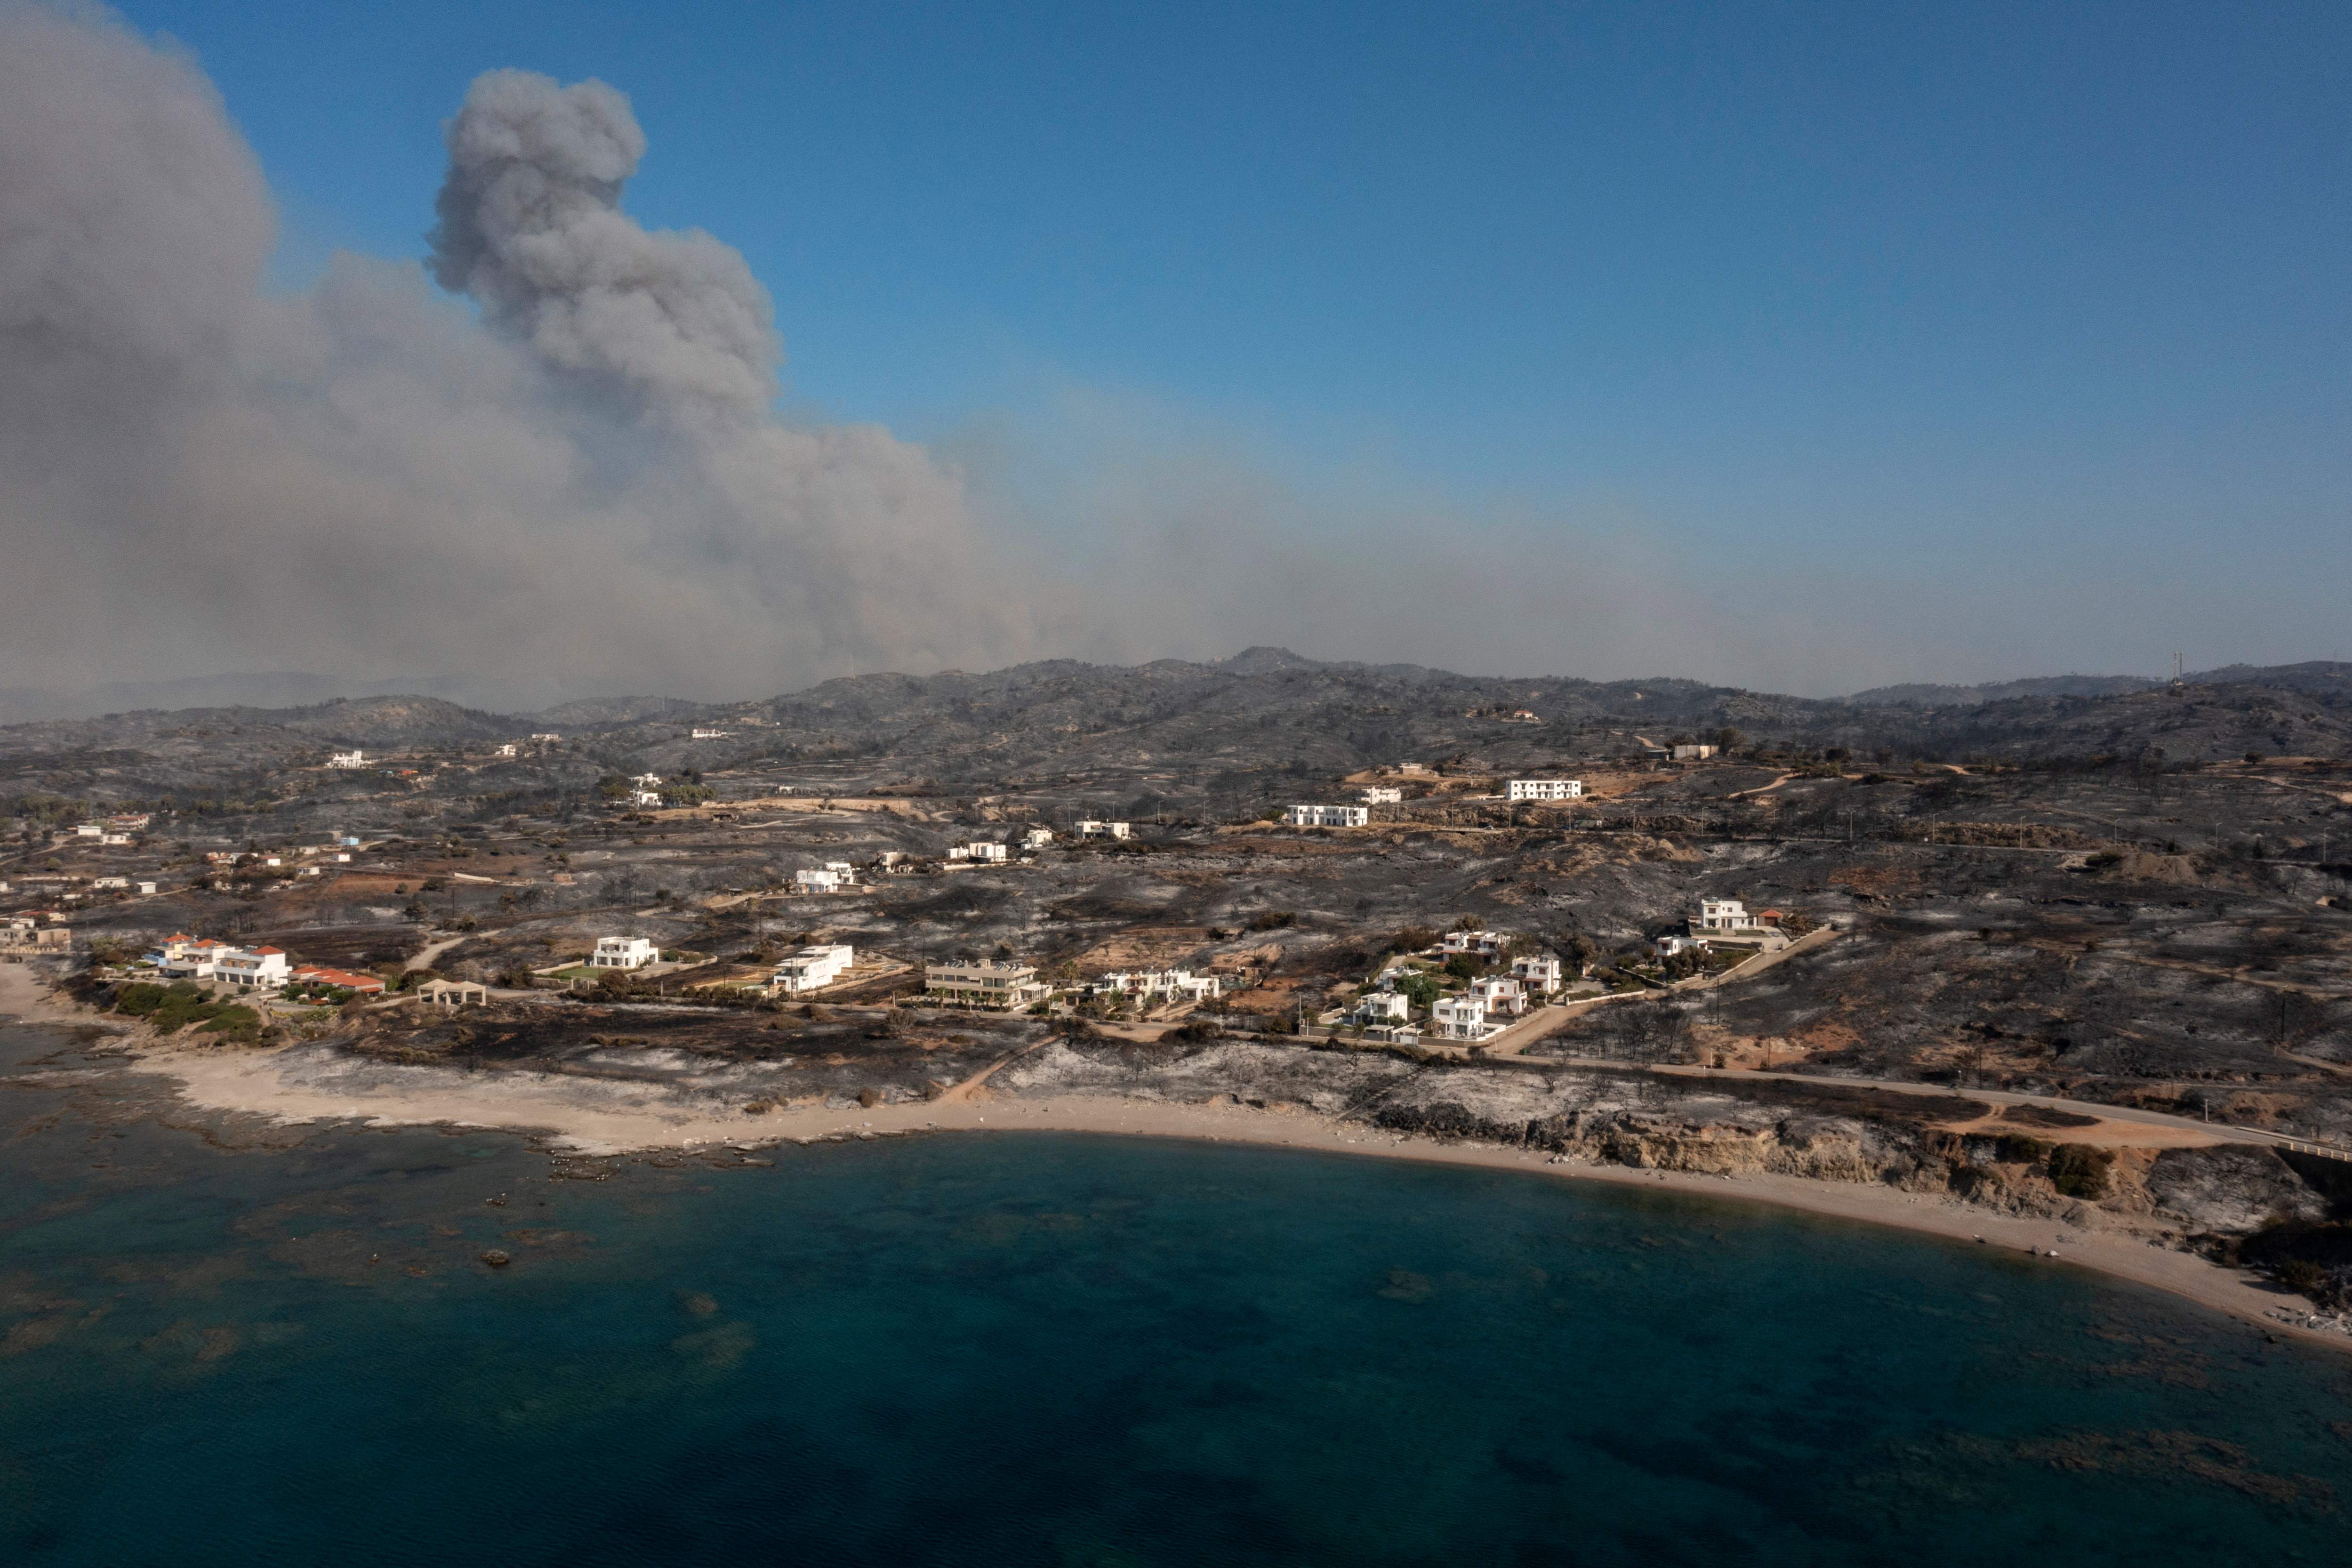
(2165,1216)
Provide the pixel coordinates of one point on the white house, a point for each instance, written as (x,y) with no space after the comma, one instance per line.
(623,952)
(544,738)
(712,734)
(988,985)
(1382,1007)
(833,876)
(1719,915)
(185,957)
(1672,944)
(644,797)
(1501,995)
(646,781)
(1690,754)
(90,830)
(1545,789)
(254,969)
(109,884)
(1460,1018)
(1036,839)
(978,852)
(1327,816)
(505,750)
(812,968)
(1479,944)
(1178,985)
(1090,829)
(347,760)
(1540,976)
(1382,794)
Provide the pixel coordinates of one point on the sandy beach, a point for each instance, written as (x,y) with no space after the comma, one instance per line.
(298,1085)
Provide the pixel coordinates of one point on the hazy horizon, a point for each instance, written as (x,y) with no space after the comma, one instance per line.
(1807,353)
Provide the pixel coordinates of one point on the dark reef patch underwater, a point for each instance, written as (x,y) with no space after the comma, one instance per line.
(1069,1349)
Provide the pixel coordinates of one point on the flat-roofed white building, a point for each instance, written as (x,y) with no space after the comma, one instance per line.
(978,852)
(347,759)
(985,984)
(1540,976)
(1178,985)
(833,876)
(623,952)
(1687,752)
(644,797)
(813,968)
(1327,816)
(1382,794)
(253,968)
(1544,789)
(1090,829)
(1382,1007)
(1478,944)
(1502,995)
(1460,1018)
(1720,914)
(1036,839)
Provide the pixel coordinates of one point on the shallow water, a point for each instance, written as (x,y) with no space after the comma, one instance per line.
(1073,1350)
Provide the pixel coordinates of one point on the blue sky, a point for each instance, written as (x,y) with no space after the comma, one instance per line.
(1974,304)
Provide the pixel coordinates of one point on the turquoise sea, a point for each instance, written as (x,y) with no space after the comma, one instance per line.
(1034,1348)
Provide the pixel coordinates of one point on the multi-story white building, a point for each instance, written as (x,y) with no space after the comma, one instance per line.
(1327,816)
(1382,1007)
(813,968)
(623,952)
(1545,789)
(1036,839)
(1720,915)
(1177,985)
(1382,794)
(979,852)
(985,984)
(253,968)
(644,797)
(1540,976)
(1477,943)
(833,876)
(347,760)
(1093,829)
(506,749)
(1460,1018)
(185,957)
(1501,995)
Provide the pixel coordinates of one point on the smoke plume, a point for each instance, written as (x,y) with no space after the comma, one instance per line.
(583,487)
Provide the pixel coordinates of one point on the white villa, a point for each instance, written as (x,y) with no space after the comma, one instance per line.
(1461,1018)
(1327,816)
(813,968)
(713,734)
(985,984)
(1540,976)
(831,878)
(253,968)
(623,952)
(347,759)
(644,797)
(1036,839)
(1544,789)
(979,852)
(1481,943)
(1090,829)
(1690,754)
(1176,984)
(1382,1007)
(1382,794)
(1721,915)
(1501,995)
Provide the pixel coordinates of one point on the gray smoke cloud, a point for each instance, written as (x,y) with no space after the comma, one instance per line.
(531,225)
(581,490)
